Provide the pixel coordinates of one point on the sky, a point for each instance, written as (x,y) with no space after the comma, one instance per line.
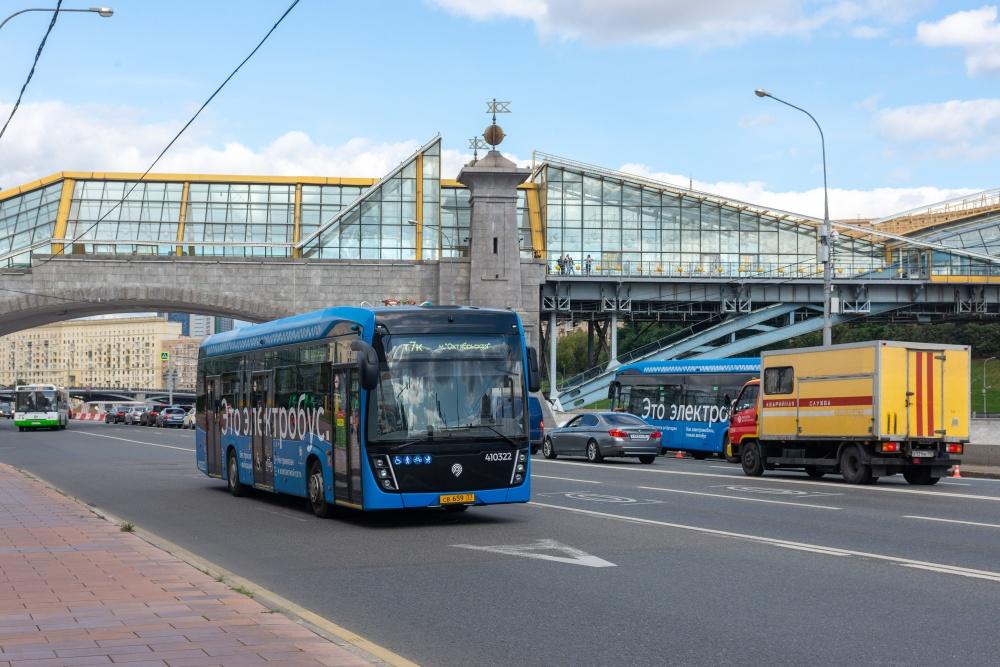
(905,90)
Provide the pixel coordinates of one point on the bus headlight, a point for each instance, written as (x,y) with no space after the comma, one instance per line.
(384,473)
(522,457)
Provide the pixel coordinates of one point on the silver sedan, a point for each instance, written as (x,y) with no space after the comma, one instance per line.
(599,434)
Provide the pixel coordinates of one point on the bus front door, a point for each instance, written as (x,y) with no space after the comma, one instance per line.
(213,452)
(346,441)
(261,399)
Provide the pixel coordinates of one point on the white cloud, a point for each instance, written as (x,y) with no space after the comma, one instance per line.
(954,129)
(976,31)
(756,121)
(844,204)
(47,137)
(681,22)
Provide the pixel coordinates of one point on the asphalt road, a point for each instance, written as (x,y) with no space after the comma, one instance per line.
(618,563)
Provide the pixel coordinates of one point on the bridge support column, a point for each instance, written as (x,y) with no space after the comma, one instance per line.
(553,335)
(613,335)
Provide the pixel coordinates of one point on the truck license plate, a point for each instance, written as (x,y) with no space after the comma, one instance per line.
(922,453)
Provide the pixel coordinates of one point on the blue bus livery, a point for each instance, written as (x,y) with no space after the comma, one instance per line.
(688,400)
(371,408)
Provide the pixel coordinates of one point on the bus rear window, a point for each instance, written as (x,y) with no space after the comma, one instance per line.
(779,380)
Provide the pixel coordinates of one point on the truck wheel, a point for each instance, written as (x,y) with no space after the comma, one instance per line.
(752,459)
(920,476)
(853,468)
(729,452)
(814,472)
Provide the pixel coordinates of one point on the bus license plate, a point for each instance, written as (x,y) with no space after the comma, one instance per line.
(457,499)
(922,453)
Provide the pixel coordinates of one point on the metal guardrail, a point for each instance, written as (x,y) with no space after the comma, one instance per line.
(709,270)
(632,355)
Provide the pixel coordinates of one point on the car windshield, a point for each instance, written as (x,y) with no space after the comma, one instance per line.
(620,419)
(36,400)
(434,385)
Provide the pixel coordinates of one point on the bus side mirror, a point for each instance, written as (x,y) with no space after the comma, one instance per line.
(367,364)
(534,375)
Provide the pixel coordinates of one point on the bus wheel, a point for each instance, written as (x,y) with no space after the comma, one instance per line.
(752,459)
(698,456)
(853,468)
(647,458)
(317,491)
(548,451)
(594,452)
(814,472)
(233,469)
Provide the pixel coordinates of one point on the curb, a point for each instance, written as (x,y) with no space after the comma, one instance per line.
(322,627)
(976,474)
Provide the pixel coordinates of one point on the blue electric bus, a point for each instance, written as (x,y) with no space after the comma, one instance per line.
(688,400)
(371,408)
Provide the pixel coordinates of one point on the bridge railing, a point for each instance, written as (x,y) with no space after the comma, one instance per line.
(636,353)
(709,270)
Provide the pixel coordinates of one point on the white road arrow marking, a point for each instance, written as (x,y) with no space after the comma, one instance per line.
(570,556)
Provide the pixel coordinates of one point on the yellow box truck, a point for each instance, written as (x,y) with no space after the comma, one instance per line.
(864,410)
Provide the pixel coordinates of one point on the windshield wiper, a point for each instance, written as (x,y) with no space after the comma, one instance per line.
(404,445)
(513,443)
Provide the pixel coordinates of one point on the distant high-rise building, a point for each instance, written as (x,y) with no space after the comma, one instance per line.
(223,324)
(202,325)
(184,319)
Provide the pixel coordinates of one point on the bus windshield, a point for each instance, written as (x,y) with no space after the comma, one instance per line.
(36,400)
(436,385)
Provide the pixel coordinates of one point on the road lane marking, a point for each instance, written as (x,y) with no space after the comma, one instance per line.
(567,479)
(787,544)
(731,467)
(954,484)
(571,556)
(752,500)
(777,480)
(281,514)
(966,523)
(138,442)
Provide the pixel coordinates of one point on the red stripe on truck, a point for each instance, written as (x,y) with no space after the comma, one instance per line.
(835,401)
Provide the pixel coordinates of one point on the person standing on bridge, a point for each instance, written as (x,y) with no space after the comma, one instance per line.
(588,264)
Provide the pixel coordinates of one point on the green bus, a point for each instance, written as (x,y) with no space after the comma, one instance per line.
(40,406)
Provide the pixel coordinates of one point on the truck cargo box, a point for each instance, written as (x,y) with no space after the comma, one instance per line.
(876,390)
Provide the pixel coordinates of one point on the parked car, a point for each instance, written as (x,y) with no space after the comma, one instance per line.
(149,416)
(170,417)
(599,434)
(116,415)
(189,420)
(6,410)
(536,424)
(134,415)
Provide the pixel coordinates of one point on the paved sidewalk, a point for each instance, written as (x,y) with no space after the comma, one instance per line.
(76,590)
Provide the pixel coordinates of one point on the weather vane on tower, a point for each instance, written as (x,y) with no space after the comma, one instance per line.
(494,133)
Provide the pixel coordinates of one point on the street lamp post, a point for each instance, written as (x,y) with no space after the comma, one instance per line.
(104,12)
(985,361)
(825,231)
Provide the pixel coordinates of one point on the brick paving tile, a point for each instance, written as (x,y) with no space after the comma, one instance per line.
(75,590)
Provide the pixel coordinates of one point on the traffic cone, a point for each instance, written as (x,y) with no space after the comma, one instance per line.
(679,455)
(955,473)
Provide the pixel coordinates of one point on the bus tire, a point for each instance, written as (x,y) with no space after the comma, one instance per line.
(594,452)
(729,453)
(853,467)
(647,458)
(233,475)
(548,451)
(814,472)
(752,459)
(316,489)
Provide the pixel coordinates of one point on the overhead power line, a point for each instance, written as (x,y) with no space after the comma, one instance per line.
(177,136)
(31,72)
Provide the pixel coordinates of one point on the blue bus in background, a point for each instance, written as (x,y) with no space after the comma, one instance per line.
(688,400)
(371,408)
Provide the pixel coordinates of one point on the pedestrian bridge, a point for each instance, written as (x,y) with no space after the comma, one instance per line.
(259,247)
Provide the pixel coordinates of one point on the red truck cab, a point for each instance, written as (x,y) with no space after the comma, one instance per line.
(743,422)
